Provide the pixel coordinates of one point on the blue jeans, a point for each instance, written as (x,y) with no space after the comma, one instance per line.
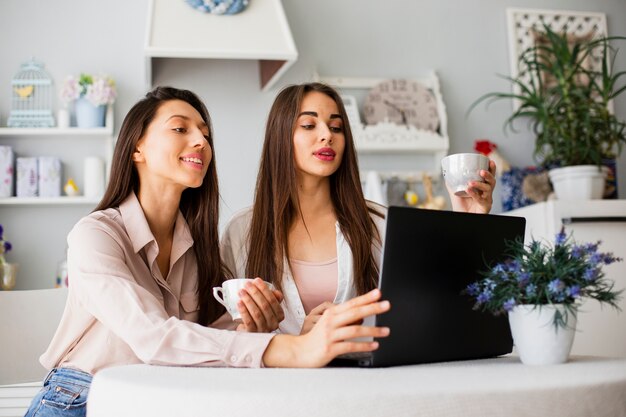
(64,393)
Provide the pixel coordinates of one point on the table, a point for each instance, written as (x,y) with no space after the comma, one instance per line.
(585,386)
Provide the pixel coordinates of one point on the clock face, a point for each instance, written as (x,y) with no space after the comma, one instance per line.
(402,102)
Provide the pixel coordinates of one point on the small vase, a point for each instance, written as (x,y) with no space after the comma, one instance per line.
(88,115)
(7,276)
(537,340)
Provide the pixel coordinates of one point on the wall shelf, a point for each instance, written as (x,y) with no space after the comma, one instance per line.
(260,32)
(55,131)
(48,201)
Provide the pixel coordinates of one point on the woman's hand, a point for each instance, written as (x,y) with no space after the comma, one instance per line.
(480,193)
(329,338)
(259,307)
(314,316)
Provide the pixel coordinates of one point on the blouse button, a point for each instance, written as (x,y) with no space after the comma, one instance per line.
(248,358)
(233,358)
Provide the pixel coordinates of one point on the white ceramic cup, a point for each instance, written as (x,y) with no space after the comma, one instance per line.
(228,294)
(460,168)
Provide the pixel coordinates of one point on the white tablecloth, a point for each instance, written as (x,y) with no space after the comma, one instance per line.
(496,387)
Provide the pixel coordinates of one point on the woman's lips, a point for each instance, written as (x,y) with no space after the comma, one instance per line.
(193,160)
(325,154)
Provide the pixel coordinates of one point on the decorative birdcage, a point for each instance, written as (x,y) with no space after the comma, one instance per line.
(31,97)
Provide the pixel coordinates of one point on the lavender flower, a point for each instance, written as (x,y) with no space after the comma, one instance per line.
(5,246)
(573,291)
(555,286)
(473,289)
(484,296)
(590,274)
(538,273)
(596,258)
(578,251)
(523,278)
(509,304)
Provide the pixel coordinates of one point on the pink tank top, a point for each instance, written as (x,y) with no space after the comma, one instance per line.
(316,281)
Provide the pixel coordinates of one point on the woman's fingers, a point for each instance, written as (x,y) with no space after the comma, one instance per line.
(246,319)
(255,312)
(319,310)
(351,332)
(266,297)
(263,306)
(343,317)
(361,300)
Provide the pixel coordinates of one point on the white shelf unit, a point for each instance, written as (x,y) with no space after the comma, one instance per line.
(58,135)
(261,33)
(37,227)
(390,139)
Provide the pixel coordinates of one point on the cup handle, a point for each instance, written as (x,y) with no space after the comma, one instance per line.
(218,293)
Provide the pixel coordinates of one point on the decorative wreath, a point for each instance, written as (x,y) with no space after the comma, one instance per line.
(219,6)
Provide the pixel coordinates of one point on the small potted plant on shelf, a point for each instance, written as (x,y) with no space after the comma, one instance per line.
(91,96)
(566,101)
(541,287)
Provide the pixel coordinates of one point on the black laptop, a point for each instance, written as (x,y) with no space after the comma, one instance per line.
(429,258)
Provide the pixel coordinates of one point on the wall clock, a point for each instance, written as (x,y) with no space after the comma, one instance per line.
(404,102)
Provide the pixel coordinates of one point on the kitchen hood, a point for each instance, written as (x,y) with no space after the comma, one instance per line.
(260,32)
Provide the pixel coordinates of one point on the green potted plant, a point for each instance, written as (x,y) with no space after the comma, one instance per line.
(541,287)
(566,102)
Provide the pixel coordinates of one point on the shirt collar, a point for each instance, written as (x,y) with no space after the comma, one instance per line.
(139,231)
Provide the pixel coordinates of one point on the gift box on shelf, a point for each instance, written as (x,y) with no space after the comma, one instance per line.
(7,159)
(27,183)
(49,176)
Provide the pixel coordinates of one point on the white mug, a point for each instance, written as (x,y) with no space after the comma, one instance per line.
(460,168)
(228,294)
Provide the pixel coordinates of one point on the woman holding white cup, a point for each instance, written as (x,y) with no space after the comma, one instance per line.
(470,179)
(143,265)
(310,231)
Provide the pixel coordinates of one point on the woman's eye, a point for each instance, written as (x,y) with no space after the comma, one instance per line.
(336,129)
(180,129)
(308,126)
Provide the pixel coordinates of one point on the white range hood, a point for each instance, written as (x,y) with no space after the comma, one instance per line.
(260,32)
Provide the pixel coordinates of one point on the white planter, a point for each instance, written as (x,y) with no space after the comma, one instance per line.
(537,340)
(579,182)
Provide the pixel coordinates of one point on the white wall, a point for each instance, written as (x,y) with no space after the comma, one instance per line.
(465,42)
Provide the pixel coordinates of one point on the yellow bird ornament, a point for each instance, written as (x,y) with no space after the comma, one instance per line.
(25,92)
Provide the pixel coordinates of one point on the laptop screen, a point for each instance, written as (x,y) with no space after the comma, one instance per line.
(429,258)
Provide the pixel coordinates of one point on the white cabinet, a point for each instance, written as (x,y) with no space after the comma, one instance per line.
(601,330)
(37,227)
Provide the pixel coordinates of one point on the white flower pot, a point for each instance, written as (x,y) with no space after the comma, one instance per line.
(536,339)
(579,182)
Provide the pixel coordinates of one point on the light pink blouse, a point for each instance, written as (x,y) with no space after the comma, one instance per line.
(316,281)
(120,310)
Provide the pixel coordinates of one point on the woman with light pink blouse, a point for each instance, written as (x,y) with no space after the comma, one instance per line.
(142,265)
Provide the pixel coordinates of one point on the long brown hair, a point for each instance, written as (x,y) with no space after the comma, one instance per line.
(199,205)
(276,203)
